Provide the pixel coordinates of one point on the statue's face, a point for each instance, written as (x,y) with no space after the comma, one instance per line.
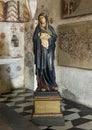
(42,20)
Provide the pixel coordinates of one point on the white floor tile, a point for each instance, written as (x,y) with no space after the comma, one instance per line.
(88,117)
(19,110)
(86,126)
(72,116)
(74,110)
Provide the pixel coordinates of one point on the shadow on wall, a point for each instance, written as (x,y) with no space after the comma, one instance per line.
(5,81)
(68,94)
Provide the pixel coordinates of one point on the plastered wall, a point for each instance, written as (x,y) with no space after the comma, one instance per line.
(11,57)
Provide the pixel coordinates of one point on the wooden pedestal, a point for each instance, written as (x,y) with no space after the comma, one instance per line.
(47,110)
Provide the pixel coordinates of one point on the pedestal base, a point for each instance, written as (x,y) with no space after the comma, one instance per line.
(47,110)
(48,119)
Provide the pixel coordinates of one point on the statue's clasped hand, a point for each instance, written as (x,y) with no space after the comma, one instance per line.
(44,40)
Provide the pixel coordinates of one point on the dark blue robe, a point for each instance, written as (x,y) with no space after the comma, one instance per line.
(44,59)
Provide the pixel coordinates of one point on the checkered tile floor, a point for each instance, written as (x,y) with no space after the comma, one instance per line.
(77,117)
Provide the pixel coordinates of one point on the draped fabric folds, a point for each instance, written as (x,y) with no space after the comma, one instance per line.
(44,58)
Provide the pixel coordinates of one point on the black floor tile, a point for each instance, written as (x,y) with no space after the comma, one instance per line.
(7,93)
(28,108)
(12,97)
(6,102)
(84,113)
(76,129)
(25,113)
(80,121)
(29,91)
(28,97)
(20,102)
(14,107)
(49,128)
(67,113)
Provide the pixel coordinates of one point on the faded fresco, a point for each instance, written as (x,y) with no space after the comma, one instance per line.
(72,8)
(11,56)
(13,11)
(75,45)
